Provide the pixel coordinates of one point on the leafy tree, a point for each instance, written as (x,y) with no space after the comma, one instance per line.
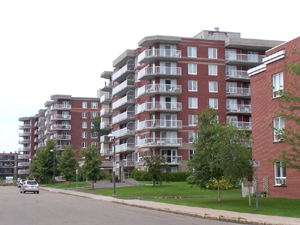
(91,167)
(96,127)
(156,164)
(68,163)
(289,103)
(220,152)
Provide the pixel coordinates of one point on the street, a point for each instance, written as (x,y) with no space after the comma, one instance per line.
(54,208)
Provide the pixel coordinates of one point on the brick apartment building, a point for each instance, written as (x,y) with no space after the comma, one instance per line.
(8,165)
(152,96)
(273,177)
(65,119)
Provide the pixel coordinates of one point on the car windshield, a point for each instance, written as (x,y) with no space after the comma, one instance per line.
(32,182)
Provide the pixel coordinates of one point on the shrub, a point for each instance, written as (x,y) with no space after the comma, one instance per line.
(174,176)
(224,184)
(190,180)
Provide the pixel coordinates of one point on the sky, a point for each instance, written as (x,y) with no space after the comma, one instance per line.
(62,46)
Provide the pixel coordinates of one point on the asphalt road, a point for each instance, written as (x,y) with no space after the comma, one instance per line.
(54,208)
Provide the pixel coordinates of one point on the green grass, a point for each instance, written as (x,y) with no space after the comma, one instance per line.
(63,185)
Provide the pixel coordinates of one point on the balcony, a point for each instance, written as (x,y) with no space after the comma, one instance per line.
(105,112)
(151,107)
(124,102)
(160,142)
(41,128)
(105,99)
(107,87)
(244,59)
(36,140)
(24,149)
(105,139)
(125,132)
(238,92)
(48,122)
(60,117)
(237,75)
(122,73)
(24,156)
(60,127)
(149,73)
(41,145)
(149,90)
(124,117)
(126,147)
(23,172)
(152,55)
(24,126)
(25,141)
(105,126)
(106,152)
(60,137)
(242,125)
(61,107)
(160,125)
(124,87)
(60,147)
(171,160)
(41,136)
(239,109)
(24,134)
(106,74)
(23,164)
(36,124)
(107,164)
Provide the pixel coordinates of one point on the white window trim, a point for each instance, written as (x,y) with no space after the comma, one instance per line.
(214,102)
(192,72)
(213,70)
(192,81)
(190,51)
(278,91)
(212,82)
(279,180)
(193,99)
(278,130)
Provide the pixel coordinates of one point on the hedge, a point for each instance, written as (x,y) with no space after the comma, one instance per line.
(144,176)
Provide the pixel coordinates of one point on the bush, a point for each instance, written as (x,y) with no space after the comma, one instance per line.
(224,184)
(190,180)
(144,176)
(140,175)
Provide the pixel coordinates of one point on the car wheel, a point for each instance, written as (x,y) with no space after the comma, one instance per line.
(24,192)
(20,191)
(37,192)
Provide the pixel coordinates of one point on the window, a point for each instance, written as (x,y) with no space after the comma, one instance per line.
(280,174)
(94,143)
(94,135)
(212,70)
(192,68)
(193,120)
(192,85)
(94,105)
(84,145)
(94,114)
(277,85)
(230,54)
(84,124)
(84,135)
(192,52)
(212,53)
(213,86)
(252,56)
(278,124)
(231,87)
(92,125)
(84,105)
(84,115)
(193,103)
(213,103)
(192,152)
(192,136)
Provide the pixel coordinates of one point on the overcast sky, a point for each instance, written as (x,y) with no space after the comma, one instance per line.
(62,46)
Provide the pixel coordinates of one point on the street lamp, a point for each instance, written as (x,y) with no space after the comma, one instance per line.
(52,151)
(114,163)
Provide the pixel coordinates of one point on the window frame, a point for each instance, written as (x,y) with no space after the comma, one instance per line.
(277,131)
(279,174)
(191,84)
(278,91)
(212,84)
(212,53)
(192,101)
(192,118)
(209,103)
(84,125)
(212,70)
(192,68)
(84,105)
(94,105)
(192,52)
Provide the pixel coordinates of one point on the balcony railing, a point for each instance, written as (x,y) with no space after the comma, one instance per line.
(24,156)
(41,145)
(242,125)
(61,107)
(169,159)
(105,99)
(23,164)
(105,125)
(60,147)
(124,71)
(124,147)
(123,102)
(161,71)
(60,127)
(60,137)
(24,126)
(159,106)
(160,142)
(105,151)
(60,117)
(41,136)
(160,124)
(24,149)
(23,171)
(239,108)
(152,89)
(105,112)
(105,139)
(123,87)
(238,91)
(126,131)
(23,134)
(247,58)
(26,141)
(237,74)
(125,116)
(149,55)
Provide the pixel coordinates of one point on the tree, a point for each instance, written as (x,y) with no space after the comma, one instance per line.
(68,163)
(96,127)
(91,167)
(289,103)
(156,164)
(220,151)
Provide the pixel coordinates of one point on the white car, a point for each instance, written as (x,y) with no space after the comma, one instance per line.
(30,186)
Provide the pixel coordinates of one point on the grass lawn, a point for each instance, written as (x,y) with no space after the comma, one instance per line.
(64,185)
(230,198)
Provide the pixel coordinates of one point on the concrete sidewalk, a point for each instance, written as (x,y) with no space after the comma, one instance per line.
(223,215)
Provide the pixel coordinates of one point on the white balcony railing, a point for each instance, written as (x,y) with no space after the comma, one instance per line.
(23,164)
(129,98)
(129,67)
(159,88)
(60,137)
(164,53)
(148,142)
(239,74)
(123,116)
(24,156)
(60,127)
(169,159)
(124,147)
(105,125)
(105,111)
(105,98)
(159,106)
(252,58)
(242,125)
(61,107)
(159,70)
(25,141)
(159,124)
(239,108)
(60,117)
(24,134)
(24,126)
(129,130)
(238,91)
(104,138)
(129,83)
(23,171)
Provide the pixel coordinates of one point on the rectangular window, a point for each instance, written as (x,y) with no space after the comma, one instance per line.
(213,103)
(94,135)
(277,85)
(84,115)
(192,152)
(94,114)
(192,136)
(278,124)
(94,143)
(84,124)
(280,174)
(231,87)
(192,85)
(192,68)
(94,105)
(212,53)
(193,103)
(212,70)
(84,145)
(84,105)
(84,135)
(213,86)
(192,52)
(193,120)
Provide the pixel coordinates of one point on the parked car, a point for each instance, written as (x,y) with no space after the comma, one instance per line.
(30,186)
(21,182)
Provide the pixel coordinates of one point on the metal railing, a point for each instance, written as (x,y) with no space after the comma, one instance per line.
(122,86)
(60,127)
(157,106)
(128,130)
(242,125)
(26,141)
(61,107)
(129,67)
(129,98)
(60,117)
(241,74)
(24,156)
(104,98)
(105,125)
(245,57)
(169,159)
(123,116)
(105,111)
(159,88)
(124,147)
(239,108)
(60,137)
(159,70)
(152,124)
(23,171)
(104,138)
(168,53)
(24,134)
(238,91)
(24,126)
(160,142)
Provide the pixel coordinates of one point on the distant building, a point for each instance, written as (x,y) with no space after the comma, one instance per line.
(273,177)
(8,165)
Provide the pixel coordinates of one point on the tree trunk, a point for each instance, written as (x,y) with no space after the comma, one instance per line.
(92,184)
(219,195)
(249,192)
